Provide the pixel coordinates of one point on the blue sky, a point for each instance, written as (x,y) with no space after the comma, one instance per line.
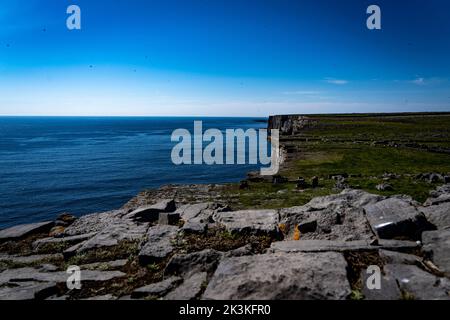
(223,58)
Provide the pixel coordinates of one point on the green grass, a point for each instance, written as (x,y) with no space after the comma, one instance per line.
(344,144)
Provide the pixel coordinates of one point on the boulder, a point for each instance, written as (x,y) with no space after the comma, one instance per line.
(441,190)
(443,198)
(395,217)
(151,213)
(438,215)
(186,264)
(158,245)
(156,289)
(437,245)
(24,230)
(249,221)
(418,284)
(279,276)
(189,289)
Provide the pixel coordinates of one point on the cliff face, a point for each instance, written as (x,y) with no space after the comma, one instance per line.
(290,124)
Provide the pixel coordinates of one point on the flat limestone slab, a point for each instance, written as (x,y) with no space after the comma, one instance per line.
(23,230)
(439,215)
(28,290)
(264,221)
(280,276)
(437,244)
(338,246)
(159,243)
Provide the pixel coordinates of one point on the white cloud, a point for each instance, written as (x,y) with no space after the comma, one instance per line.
(336,81)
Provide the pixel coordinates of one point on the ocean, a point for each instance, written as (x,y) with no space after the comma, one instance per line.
(50,165)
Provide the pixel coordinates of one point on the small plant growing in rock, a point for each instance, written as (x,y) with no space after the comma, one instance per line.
(296,233)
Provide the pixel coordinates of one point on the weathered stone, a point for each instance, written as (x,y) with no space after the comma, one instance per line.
(444,189)
(30,259)
(186,264)
(394,217)
(170,218)
(151,213)
(158,245)
(320,246)
(51,243)
(27,290)
(393,257)
(94,222)
(388,288)
(156,289)
(439,215)
(239,252)
(437,245)
(338,246)
(34,274)
(197,216)
(418,284)
(21,231)
(189,289)
(280,276)
(249,221)
(109,265)
(105,297)
(117,231)
(443,198)
(384,187)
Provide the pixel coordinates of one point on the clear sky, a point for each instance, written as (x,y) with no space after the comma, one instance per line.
(223,57)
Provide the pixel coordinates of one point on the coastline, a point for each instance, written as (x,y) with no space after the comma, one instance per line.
(208,242)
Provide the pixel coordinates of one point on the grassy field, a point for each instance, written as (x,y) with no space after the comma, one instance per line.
(364,147)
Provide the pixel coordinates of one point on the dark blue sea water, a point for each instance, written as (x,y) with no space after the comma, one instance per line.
(50,165)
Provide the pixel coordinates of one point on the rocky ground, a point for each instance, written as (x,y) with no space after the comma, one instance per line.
(310,232)
(156,248)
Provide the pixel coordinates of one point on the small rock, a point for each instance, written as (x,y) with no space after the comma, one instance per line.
(393,257)
(156,289)
(437,245)
(384,187)
(301,183)
(447,179)
(50,243)
(186,264)
(158,245)
(21,231)
(315,182)
(243,185)
(189,289)
(56,231)
(249,221)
